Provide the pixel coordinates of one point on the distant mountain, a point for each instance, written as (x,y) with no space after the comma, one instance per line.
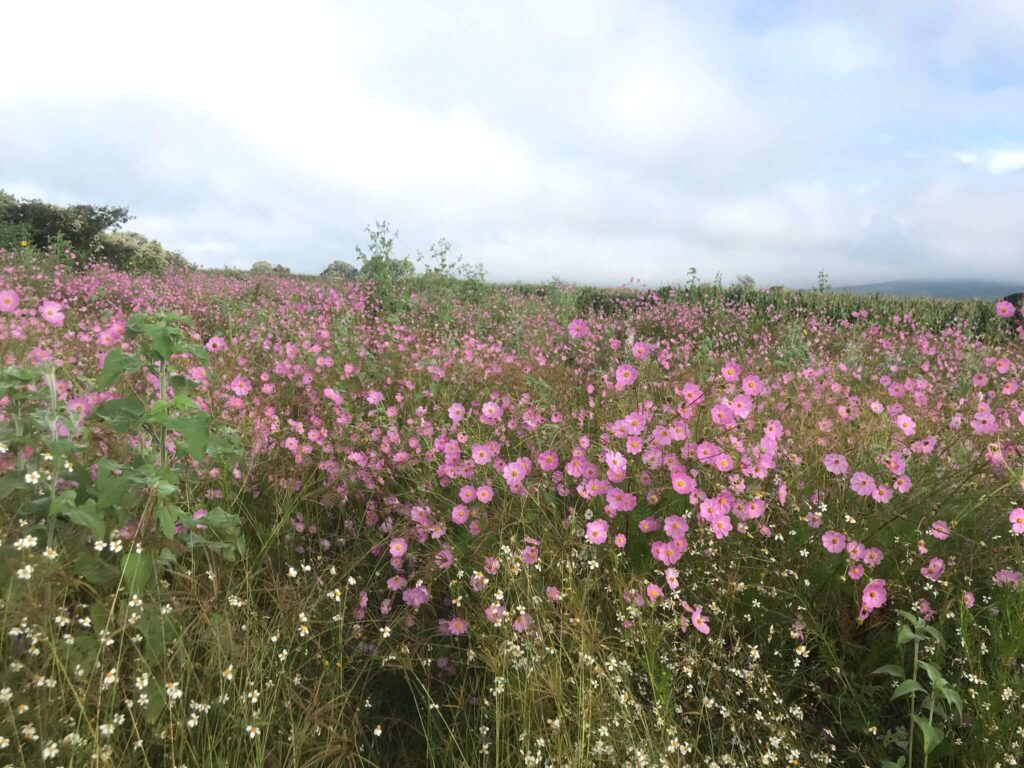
(942,289)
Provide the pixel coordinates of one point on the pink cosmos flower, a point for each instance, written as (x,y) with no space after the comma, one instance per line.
(8,301)
(484,494)
(416,596)
(700,623)
(216,344)
(1017,521)
(1005,309)
(398,547)
(934,570)
(625,375)
(862,484)
(1006,578)
(683,484)
(454,626)
(460,514)
(619,540)
(51,312)
(641,350)
(597,531)
(730,371)
(873,596)
(579,329)
(939,530)
(906,424)
(833,541)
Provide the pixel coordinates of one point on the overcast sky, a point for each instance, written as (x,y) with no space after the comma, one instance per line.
(594,141)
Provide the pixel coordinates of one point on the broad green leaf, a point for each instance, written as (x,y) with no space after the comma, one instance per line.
(87,516)
(122,414)
(168,515)
(139,571)
(110,487)
(114,364)
(907,687)
(890,669)
(930,735)
(92,569)
(933,672)
(196,431)
(953,698)
(10,483)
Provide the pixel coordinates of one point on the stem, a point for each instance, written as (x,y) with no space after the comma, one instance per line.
(913,698)
(163,429)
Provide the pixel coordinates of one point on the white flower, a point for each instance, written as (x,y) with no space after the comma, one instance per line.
(32,478)
(252,730)
(25,573)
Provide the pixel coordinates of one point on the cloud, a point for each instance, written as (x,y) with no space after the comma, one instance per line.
(595,142)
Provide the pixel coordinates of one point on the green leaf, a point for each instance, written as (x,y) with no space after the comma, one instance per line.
(139,571)
(907,687)
(907,635)
(10,483)
(933,672)
(110,488)
(196,431)
(122,414)
(86,516)
(114,364)
(953,698)
(890,669)
(94,570)
(168,515)
(930,735)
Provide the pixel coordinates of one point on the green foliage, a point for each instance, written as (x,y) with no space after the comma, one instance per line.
(80,225)
(340,269)
(132,252)
(932,701)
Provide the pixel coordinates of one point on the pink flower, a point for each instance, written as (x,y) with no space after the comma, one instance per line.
(579,329)
(8,301)
(683,484)
(454,626)
(906,424)
(934,570)
(940,530)
(625,375)
(1005,309)
(597,531)
(833,541)
(51,312)
(416,596)
(484,494)
(730,371)
(862,484)
(873,596)
(1017,521)
(1006,578)
(398,547)
(699,622)
(835,463)
(523,623)
(460,514)
(216,344)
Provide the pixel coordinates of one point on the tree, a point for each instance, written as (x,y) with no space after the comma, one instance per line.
(132,252)
(80,226)
(340,269)
(744,282)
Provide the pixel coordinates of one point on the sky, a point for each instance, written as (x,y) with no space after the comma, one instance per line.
(597,142)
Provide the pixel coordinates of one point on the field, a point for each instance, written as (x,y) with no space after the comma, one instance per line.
(282,521)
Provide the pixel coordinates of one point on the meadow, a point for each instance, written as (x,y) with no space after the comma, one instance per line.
(281,521)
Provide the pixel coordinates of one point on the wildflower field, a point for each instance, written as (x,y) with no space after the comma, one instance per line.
(282,521)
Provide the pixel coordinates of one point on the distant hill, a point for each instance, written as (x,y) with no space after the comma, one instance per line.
(942,289)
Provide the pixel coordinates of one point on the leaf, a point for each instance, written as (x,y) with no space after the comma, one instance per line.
(87,516)
(9,484)
(953,698)
(890,669)
(168,516)
(110,488)
(94,570)
(114,364)
(906,687)
(196,431)
(930,735)
(122,414)
(906,635)
(138,570)
(933,672)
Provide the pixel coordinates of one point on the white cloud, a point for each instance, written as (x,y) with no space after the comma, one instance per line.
(596,141)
